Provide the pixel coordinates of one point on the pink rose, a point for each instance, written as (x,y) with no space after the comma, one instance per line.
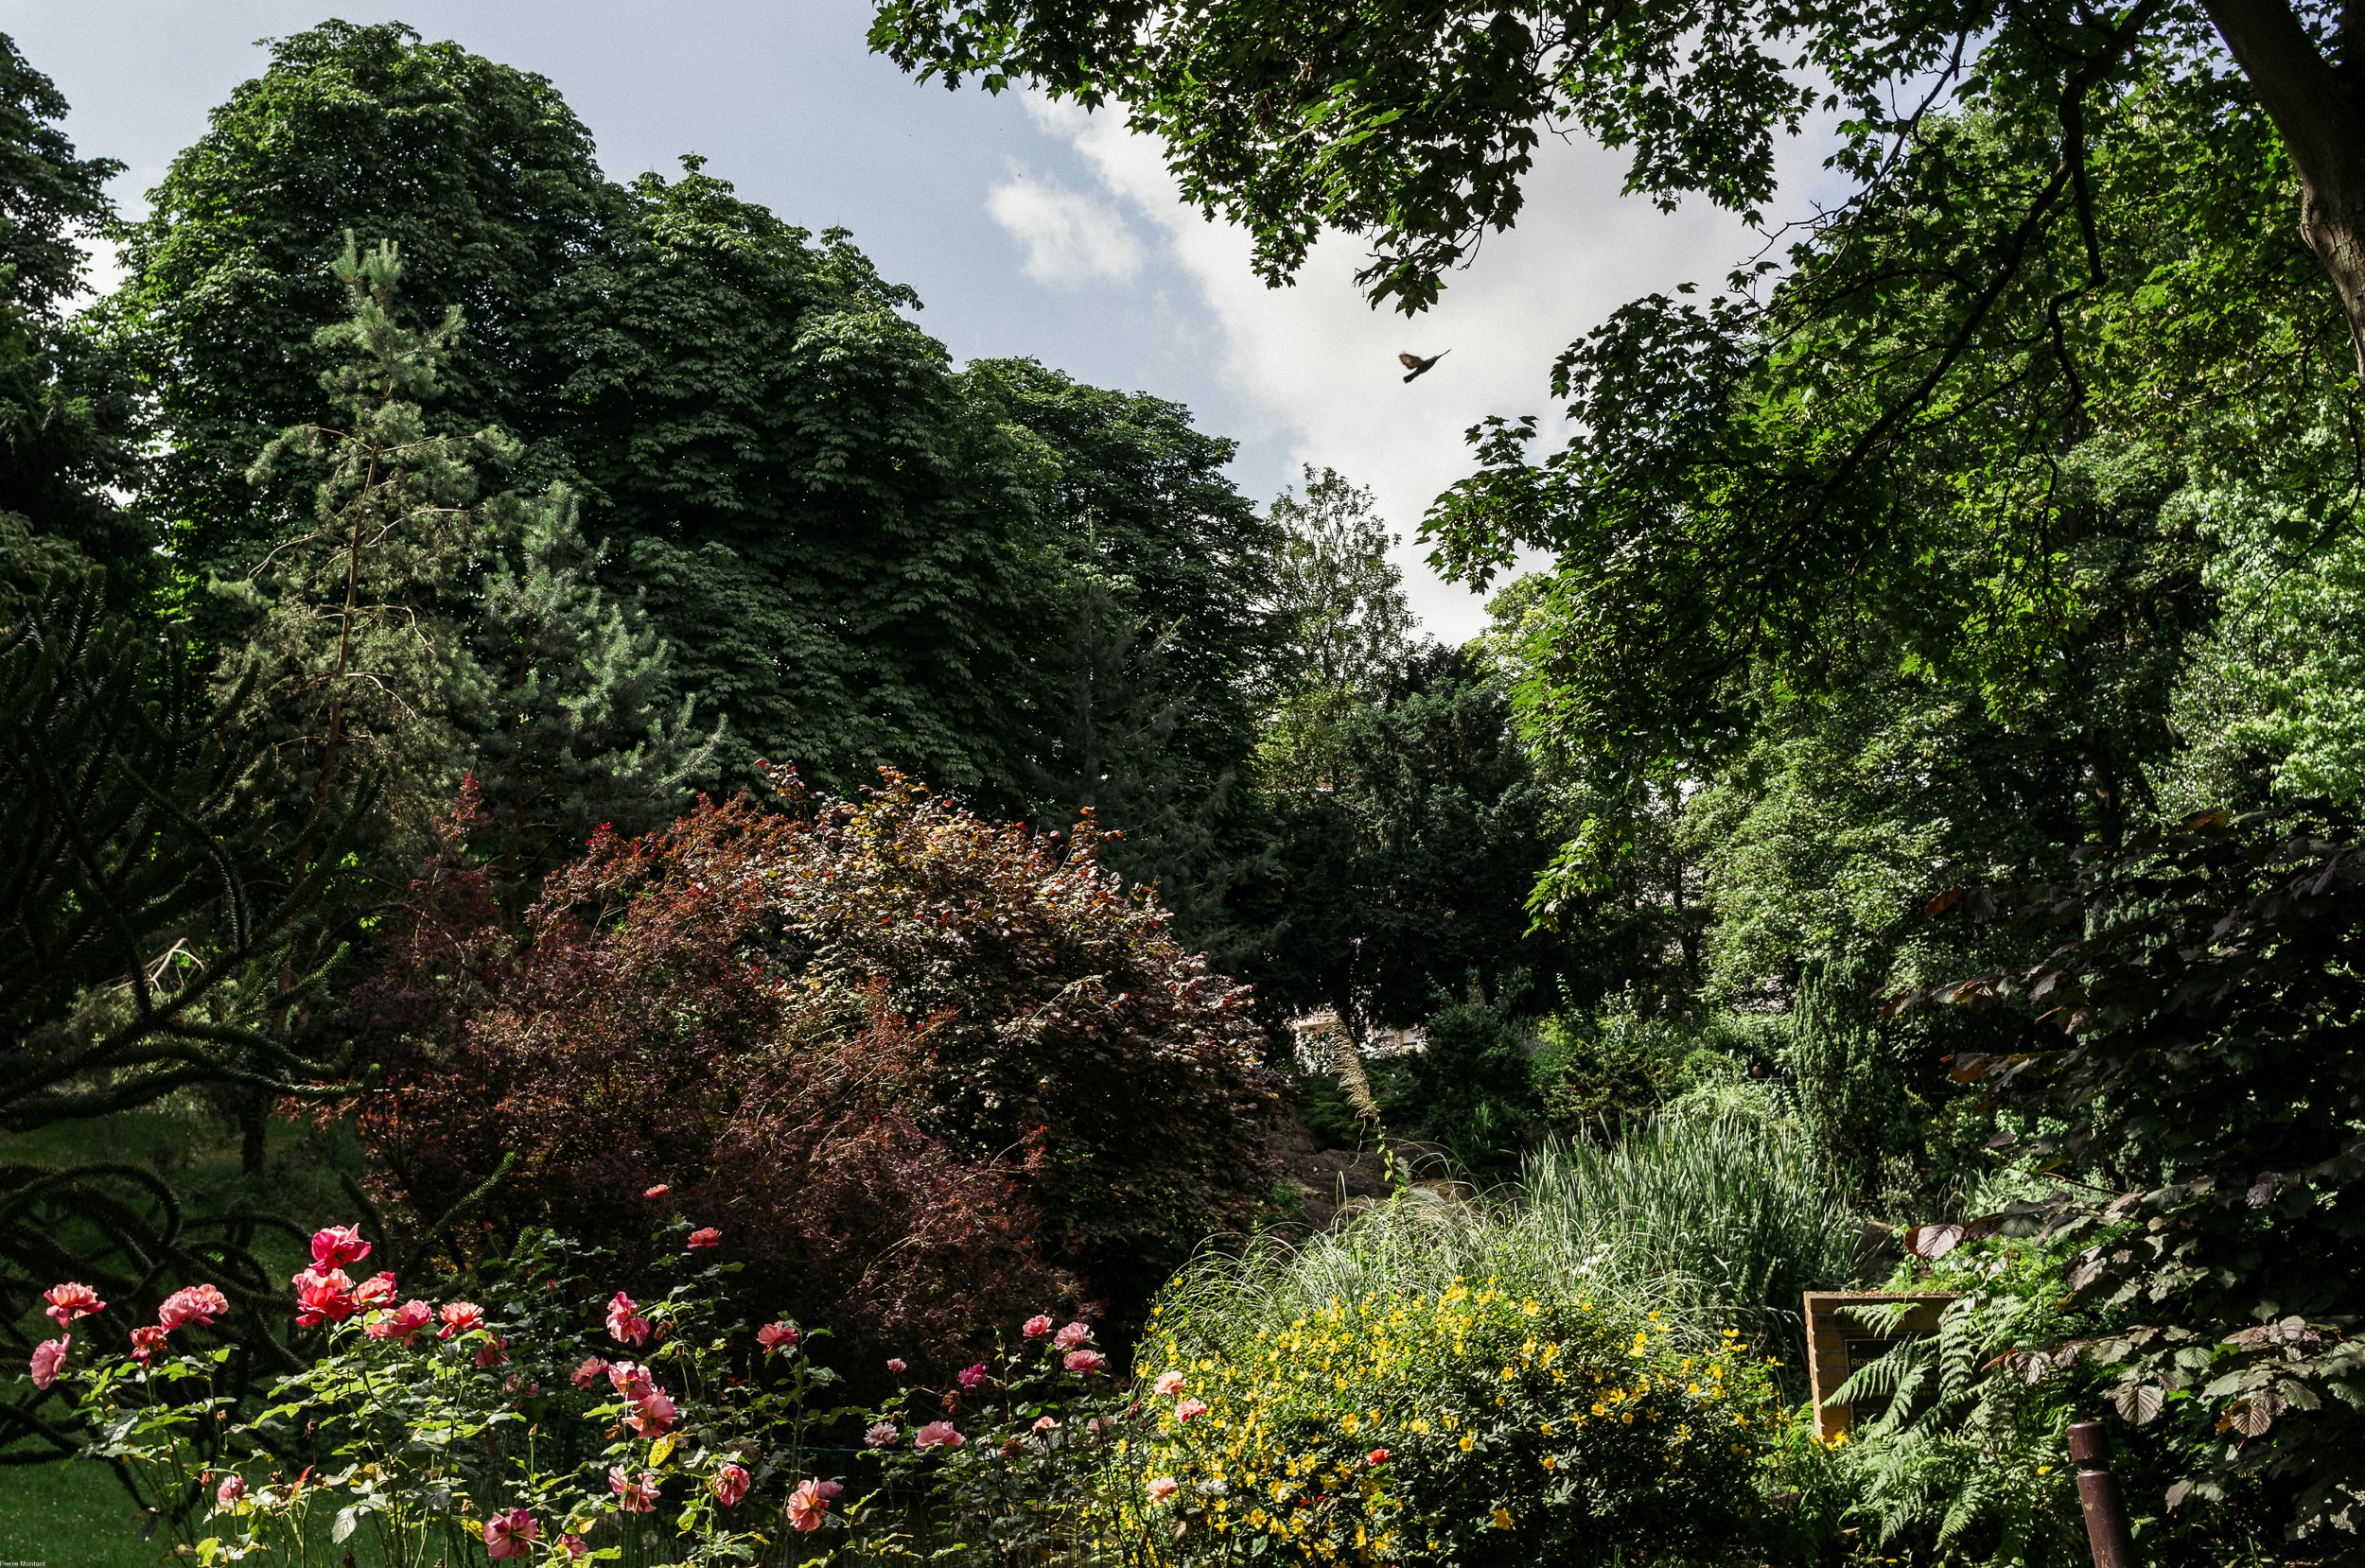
(575,1546)
(403,1323)
(145,1342)
(895,1363)
(192,1304)
(49,1357)
(492,1352)
(1169,1383)
(1046,1424)
(459,1317)
(806,1507)
(630,1381)
(636,1496)
(337,1246)
(1187,1408)
(374,1291)
(828,1490)
(880,1434)
(651,1414)
(511,1534)
(705,1238)
(323,1297)
(625,1322)
(232,1488)
(937,1434)
(1073,1336)
(729,1484)
(1163,1488)
(970,1377)
(1086,1362)
(69,1301)
(589,1372)
(657,1192)
(1036,1327)
(777,1336)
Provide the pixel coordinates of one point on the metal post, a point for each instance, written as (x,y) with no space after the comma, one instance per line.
(2107,1529)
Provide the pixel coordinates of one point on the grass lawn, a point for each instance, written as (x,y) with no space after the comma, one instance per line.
(70,1516)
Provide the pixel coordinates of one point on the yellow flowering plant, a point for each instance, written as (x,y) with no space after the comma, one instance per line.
(1472,1426)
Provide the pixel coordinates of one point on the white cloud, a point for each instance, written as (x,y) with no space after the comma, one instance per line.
(1071,238)
(1320,363)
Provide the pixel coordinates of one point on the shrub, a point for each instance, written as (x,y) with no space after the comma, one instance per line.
(1471,1088)
(923,1070)
(530,1416)
(1472,1426)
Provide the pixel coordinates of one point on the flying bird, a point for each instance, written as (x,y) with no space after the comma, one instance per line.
(1414,366)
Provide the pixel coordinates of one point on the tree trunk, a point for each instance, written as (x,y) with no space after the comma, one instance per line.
(2315,104)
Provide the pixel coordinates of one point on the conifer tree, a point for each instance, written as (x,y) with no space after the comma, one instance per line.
(578,727)
(356,664)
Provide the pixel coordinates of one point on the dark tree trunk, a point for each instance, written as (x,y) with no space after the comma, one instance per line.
(2316,104)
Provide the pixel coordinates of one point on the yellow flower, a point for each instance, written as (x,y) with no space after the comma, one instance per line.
(1502,1519)
(1550,1463)
(1465,1443)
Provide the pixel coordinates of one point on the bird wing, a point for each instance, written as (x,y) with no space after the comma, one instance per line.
(1410,362)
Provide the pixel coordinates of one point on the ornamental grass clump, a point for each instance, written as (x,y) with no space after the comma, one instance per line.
(1472,1424)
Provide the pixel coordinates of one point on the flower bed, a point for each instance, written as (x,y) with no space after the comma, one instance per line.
(1468,1426)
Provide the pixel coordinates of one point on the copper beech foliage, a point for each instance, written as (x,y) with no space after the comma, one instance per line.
(923,1070)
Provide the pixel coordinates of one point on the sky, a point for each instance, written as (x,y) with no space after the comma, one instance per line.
(1028,228)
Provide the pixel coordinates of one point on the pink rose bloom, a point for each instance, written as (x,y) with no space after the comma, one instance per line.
(657,1192)
(970,1377)
(232,1488)
(492,1352)
(806,1505)
(636,1496)
(1086,1362)
(49,1357)
(1169,1383)
(632,1381)
(828,1490)
(1099,1427)
(880,1434)
(729,1484)
(198,1305)
(625,1322)
(938,1435)
(1163,1488)
(704,1238)
(1046,1424)
(147,1342)
(777,1336)
(459,1317)
(589,1372)
(511,1534)
(1189,1408)
(895,1363)
(402,1323)
(575,1546)
(337,1245)
(1070,1336)
(653,1415)
(1036,1327)
(375,1291)
(69,1301)
(323,1297)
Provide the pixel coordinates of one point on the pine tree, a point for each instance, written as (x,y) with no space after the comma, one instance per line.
(578,729)
(357,667)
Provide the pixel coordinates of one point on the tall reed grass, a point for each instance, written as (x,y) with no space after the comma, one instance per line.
(1714,1218)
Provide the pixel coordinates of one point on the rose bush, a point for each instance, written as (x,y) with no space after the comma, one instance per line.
(920,1068)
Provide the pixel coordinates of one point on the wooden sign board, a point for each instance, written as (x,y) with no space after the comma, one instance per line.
(1837,1344)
